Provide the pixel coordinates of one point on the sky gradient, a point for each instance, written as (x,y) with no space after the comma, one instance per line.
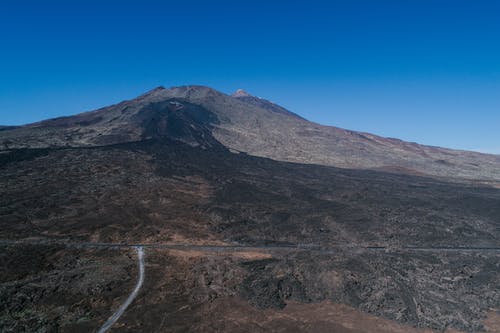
(419,70)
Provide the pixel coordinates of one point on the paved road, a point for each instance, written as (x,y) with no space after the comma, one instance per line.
(243,247)
(110,322)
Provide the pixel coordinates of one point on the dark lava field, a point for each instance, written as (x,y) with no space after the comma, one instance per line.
(162,191)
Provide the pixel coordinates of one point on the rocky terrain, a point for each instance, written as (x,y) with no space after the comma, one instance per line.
(61,289)
(289,247)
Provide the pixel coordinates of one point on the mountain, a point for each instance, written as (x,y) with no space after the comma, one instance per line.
(240,242)
(4,128)
(252,125)
(262,103)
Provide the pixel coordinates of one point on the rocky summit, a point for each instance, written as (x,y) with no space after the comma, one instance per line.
(251,219)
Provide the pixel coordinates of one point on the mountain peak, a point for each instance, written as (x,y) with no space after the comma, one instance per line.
(152,92)
(241,93)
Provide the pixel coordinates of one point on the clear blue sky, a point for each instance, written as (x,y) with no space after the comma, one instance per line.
(420,70)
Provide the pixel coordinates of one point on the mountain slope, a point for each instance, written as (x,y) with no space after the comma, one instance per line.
(168,192)
(262,103)
(258,127)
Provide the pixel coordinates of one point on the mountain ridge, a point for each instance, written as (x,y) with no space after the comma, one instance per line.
(255,126)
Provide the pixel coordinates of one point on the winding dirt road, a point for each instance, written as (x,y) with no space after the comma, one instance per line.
(114,318)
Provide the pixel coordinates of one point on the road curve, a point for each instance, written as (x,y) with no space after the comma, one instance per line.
(107,325)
